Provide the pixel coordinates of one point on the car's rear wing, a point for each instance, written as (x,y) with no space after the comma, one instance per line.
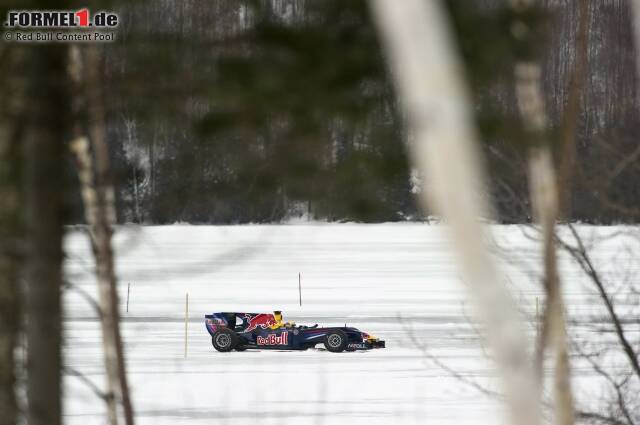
(239,322)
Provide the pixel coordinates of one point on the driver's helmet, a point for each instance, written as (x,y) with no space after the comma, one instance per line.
(278,316)
(279,323)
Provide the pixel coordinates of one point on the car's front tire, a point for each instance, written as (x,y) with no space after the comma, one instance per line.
(224,340)
(336,341)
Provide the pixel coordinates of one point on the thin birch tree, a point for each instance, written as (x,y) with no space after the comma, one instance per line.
(635,22)
(429,79)
(99,204)
(11,237)
(545,201)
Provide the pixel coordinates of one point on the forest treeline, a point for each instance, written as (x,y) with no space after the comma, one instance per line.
(258,111)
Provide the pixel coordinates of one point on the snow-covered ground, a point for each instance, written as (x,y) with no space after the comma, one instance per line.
(396,281)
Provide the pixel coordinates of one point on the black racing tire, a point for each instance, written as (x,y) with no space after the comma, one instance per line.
(336,341)
(224,340)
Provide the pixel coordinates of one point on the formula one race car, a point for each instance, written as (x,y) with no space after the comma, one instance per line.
(240,331)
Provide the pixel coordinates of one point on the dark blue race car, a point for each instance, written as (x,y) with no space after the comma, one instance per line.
(239,331)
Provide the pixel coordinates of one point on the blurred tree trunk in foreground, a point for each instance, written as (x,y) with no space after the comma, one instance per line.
(544,200)
(46,128)
(635,22)
(544,195)
(9,266)
(10,228)
(99,205)
(444,148)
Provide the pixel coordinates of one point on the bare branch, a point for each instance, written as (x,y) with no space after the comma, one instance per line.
(442,365)
(584,260)
(600,418)
(89,383)
(84,294)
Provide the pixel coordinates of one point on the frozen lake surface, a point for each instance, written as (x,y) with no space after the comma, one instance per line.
(398,282)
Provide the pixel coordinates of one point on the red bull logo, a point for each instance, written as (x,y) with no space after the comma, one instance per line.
(263,320)
(273,339)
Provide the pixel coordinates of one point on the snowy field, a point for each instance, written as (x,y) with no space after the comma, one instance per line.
(394,281)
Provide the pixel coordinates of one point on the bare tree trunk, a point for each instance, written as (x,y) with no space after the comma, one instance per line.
(132,142)
(635,10)
(430,82)
(544,200)
(99,204)
(46,127)
(80,147)
(10,236)
(106,216)
(9,298)
(12,98)
(106,219)
(84,166)
(544,196)
(571,113)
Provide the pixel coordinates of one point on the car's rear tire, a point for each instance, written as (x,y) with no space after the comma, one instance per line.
(336,341)
(224,340)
